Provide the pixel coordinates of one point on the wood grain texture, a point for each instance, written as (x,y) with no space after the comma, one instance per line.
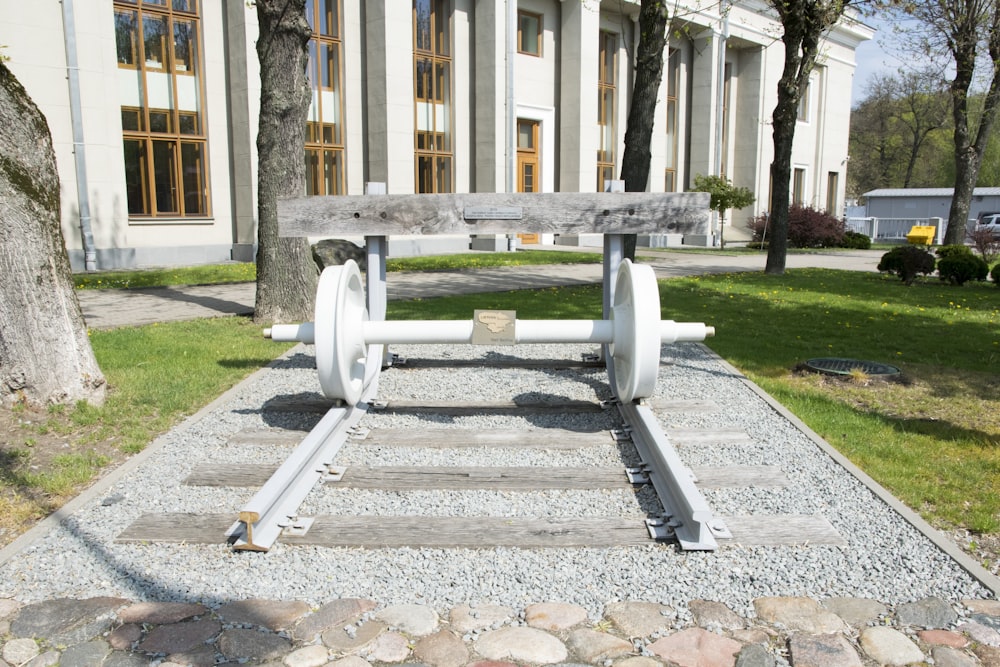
(445,407)
(410,478)
(707,436)
(541,438)
(782,530)
(481,532)
(522,478)
(552,212)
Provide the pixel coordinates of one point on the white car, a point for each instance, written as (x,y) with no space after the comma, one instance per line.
(990,223)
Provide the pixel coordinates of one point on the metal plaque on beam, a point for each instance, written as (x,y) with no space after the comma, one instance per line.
(493,213)
(494,327)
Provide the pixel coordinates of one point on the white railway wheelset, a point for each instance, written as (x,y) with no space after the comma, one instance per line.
(343,333)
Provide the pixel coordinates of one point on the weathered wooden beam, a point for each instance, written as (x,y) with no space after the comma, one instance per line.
(496,213)
(481,532)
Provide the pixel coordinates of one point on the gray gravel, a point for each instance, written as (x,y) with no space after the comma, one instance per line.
(886,558)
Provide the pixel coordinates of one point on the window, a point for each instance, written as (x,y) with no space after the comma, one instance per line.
(607,80)
(432,76)
(527,155)
(673,83)
(803,113)
(529,33)
(727,84)
(325,120)
(799,186)
(158,45)
(832,186)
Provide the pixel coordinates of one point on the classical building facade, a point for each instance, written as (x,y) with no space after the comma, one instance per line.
(152,105)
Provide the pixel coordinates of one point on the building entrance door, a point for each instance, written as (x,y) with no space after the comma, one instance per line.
(527,164)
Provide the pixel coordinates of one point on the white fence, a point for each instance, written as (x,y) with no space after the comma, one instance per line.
(895,229)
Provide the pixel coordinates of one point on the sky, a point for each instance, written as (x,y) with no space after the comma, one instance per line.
(872,59)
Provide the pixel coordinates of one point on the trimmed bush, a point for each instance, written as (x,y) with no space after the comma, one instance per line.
(907,261)
(946,251)
(856,241)
(995,274)
(958,269)
(807,228)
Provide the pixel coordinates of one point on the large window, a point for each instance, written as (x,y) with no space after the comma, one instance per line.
(325,122)
(432,77)
(163,124)
(727,85)
(606,96)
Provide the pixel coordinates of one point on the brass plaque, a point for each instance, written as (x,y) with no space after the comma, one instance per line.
(493,327)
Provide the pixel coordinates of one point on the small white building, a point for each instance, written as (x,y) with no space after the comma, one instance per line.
(152,105)
(926,202)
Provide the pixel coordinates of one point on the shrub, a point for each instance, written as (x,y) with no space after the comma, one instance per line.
(946,251)
(959,268)
(856,241)
(907,261)
(807,228)
(995,274)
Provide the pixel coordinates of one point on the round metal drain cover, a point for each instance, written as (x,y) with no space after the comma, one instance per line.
(838,366)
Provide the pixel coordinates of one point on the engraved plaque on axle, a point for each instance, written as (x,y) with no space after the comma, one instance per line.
(492,213)
(493,327)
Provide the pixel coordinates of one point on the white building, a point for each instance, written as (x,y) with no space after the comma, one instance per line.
(153,104)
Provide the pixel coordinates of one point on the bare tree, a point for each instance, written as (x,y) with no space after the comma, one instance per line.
(45,354)
(286,273)
(803,22)
(969,32)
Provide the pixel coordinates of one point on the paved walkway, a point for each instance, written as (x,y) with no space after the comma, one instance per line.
(114,632)
(106,309)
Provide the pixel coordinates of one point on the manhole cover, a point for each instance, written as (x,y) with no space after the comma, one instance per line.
(838,366)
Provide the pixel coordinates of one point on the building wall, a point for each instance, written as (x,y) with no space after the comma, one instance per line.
(558,89)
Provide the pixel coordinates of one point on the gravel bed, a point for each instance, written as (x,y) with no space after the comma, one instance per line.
(885,559)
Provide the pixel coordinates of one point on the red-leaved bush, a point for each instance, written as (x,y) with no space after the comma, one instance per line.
(807,228)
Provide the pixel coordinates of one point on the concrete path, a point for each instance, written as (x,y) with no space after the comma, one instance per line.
(107,309)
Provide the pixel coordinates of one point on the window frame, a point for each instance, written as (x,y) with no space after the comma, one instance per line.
(433,150)
(326,157)
(539,33)
(607,114)
(153,168)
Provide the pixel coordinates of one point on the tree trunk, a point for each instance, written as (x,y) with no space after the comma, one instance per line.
(286,273)
(784,118)
(45,354)
(653,20)
(968,153)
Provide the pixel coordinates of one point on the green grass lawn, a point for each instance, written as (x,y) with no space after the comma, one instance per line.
(236,272)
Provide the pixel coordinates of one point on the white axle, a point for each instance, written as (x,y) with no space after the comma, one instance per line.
(459,332)
(342,332)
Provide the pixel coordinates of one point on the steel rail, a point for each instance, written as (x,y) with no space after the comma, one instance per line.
(687,514)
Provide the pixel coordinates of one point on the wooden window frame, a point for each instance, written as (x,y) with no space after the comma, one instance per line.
(434,161)
(317,144)
(151,143)
(832,186)
(607,113)
(672,113)
(798,188)
(538,36)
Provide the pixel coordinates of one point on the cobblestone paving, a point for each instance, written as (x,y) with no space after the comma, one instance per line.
(115,632)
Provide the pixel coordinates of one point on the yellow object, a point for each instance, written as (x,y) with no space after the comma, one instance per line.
(921,235)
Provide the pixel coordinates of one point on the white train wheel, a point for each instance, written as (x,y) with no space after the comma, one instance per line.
(636,347)
(340,312)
